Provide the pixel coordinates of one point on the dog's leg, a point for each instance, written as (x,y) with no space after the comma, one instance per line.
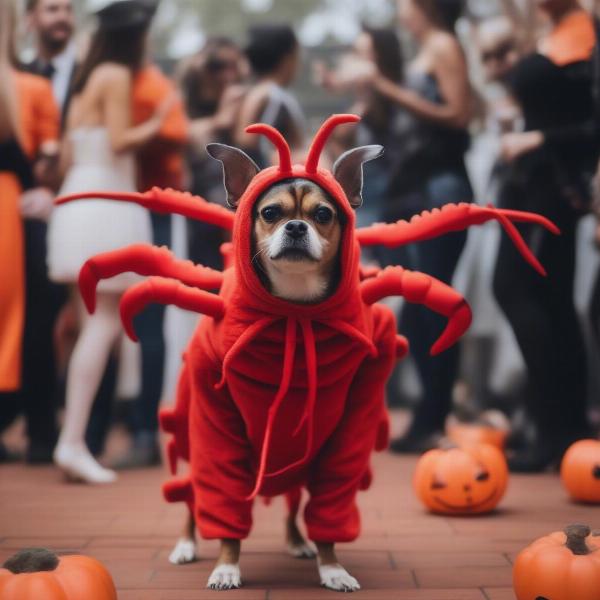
(333,575)
(226,575)
(297,546)
(185,550)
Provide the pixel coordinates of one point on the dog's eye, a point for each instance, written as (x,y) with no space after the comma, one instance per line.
(270,213)
(323,215)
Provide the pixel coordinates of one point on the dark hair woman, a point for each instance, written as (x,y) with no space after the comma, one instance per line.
(546,173)
(428,139)
(274,56)
(99,145)
(380,49)
(213,89)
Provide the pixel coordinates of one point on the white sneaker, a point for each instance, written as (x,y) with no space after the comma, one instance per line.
(79,465)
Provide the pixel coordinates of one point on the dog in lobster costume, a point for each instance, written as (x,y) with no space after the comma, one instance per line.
(274,395)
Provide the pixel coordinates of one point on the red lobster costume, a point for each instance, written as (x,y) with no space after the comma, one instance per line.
(274,396)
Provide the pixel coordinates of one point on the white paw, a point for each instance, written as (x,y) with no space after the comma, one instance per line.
(184,552)
(335,577)
(225,577)
(303,550)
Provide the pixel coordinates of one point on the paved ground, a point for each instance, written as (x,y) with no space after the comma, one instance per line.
(404,553)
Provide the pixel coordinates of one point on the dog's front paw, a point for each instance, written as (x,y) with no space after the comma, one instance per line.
(335,577)
(301,550)
(184,552)
(225,577)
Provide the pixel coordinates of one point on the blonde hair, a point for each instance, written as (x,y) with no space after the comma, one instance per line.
(9,113)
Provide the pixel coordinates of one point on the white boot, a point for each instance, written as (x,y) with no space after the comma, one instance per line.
(78,464)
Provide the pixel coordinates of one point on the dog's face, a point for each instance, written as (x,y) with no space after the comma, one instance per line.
(296,222)
(297,227)
(296,239)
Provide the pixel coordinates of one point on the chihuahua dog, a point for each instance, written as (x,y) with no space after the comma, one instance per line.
(296,239)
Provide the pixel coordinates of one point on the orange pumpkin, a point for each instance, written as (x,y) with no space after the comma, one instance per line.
(580,471)
(464,480)
(561,566)
(38,574)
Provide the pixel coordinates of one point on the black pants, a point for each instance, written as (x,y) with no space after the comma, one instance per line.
(422,326)
(38,396)
(541,310)
(149,328)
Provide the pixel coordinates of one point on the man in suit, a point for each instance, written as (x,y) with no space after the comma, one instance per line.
(52,22)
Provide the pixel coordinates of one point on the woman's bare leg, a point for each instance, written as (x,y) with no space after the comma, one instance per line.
(97,337)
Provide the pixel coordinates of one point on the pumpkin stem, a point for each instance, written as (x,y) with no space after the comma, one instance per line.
(576,535)
(31,560)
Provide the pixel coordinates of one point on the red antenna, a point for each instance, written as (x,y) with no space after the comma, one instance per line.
(285,156)
(321,137)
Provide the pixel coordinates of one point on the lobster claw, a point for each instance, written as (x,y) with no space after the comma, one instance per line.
(455,217)
(423,289)
(164,201)
(143,259)
(166,291)
(458,323)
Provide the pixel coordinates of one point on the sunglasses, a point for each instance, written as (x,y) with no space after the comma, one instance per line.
(498,53)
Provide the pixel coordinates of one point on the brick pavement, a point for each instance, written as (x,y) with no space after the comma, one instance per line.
(403,554)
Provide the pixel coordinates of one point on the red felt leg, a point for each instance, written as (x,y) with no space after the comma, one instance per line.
(144,260)
(342,466)
(422,289)
(165,201)
(179,490)
(175,420)
(166,291)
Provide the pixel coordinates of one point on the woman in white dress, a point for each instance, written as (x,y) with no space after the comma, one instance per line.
(99,154)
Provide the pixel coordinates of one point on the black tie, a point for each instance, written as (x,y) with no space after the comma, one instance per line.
(47,70)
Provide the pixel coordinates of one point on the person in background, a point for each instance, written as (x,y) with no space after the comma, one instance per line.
(99,153)
(213,86)
(380,116)
(53,23)
(160,162)
(29,130)
(37,395)
(274,56)
(548,167)
(435,104)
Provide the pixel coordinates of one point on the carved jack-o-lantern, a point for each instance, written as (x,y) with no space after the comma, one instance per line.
(461,480)
(580,471)
(560,566)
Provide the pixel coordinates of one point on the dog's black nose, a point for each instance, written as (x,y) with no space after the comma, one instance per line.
(296,228)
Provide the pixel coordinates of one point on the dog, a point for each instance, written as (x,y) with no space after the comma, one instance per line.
(282,385)
(296,235)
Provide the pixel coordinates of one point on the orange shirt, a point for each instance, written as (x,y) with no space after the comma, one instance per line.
(572,40)
(40,122)
(161,161)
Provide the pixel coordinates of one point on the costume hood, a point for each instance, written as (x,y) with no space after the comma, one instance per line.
(257,295)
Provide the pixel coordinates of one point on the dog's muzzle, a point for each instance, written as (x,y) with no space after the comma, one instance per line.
(295,242)
(296,229)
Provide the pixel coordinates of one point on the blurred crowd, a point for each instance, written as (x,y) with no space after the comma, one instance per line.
(106,117)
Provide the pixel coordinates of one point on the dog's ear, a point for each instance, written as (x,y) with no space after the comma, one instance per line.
(238,170)
(348,170)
